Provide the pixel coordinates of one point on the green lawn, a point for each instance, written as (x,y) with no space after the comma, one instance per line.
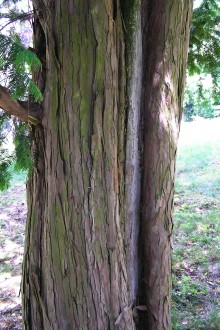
(196,243)
(12,223)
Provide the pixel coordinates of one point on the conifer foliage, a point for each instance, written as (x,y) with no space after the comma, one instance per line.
(17,64)
(5,158)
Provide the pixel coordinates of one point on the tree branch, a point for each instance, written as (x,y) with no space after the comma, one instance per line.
(25,111)
(21,17)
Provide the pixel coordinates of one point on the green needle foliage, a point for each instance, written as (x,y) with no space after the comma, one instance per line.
(16,66)
(22,147)
(5,158)
(5,163)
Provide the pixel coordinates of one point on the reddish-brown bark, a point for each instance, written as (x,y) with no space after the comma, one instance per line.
(166,57)
(75,263)
(81,236)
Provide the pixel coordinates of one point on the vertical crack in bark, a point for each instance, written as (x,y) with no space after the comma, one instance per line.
(133,150)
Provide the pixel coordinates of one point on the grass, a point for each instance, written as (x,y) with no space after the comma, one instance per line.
(196,261)
(12,223)
(10,196)
(11,200)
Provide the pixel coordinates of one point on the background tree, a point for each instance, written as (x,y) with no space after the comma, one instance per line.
(104,138)
(200,97)
(204,54)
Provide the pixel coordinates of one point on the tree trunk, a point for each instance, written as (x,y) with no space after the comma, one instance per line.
(102,63)
(165,68)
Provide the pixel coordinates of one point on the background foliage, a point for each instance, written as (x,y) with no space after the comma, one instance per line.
(203,59)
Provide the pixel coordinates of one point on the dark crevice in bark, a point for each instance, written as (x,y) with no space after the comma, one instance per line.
(40,49)
(115,9)
(32,263)
(33,279)
(141,321)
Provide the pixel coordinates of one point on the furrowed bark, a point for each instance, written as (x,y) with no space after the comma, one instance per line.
(30,113)
(75,273)
(165,67)
(81,264)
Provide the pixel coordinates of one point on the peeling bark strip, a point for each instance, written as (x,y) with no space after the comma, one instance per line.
(133,146)
(21,110)
(81,259)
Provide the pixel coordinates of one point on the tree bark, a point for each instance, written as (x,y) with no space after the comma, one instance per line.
(75,264)
(83,268)
(165,68)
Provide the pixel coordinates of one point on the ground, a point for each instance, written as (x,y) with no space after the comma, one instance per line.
(12,223)
(196,254)
(196,241)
